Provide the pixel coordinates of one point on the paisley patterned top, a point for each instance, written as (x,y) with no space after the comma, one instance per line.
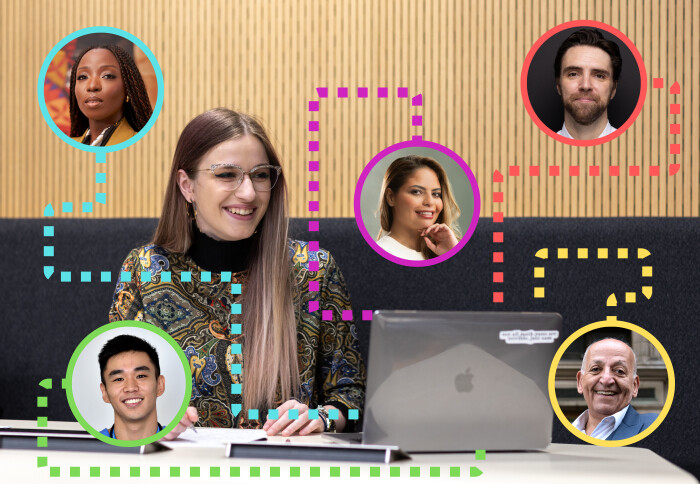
(196,312)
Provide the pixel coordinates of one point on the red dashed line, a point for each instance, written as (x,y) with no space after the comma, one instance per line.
(675,128)
(498,235)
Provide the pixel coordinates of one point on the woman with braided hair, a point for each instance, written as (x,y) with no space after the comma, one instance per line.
(108,99)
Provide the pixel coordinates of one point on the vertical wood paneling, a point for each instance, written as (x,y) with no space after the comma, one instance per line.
(267,58)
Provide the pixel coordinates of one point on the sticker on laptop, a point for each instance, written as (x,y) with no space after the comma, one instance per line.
(529,337)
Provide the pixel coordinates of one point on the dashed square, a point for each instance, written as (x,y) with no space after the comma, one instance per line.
(346,315)
(313,145)
(594,170)
(497,297)
(334,471)
(498,237)
(497,197)
(657,83)
(313,186)
(48,230)
(375,471)
(236,369)
(415,471)
(534,171)
(236,329)
(480,454)
(675,129)
(322,92)
(313,206)
(294,472)
(539,272)
(654,170)
(274,471)
(383,92)
(215,472)
(101,198)
(206,276)
(333,414)
(65,276)
(54,472)
(87,207)
(100,177)
(236,349)
(67,207)
(313,266)
(602,253)
(402,92)
(174,472)
(314,286)
(326,315)
(313,245)
(114,472)
(539,292)
(313,306)
(630,297)
(622,253)
(497,217)
(434,472)
(614,171)
(497,257)
(134,472)
(313,105)
(226,276)
(42,421)
(313,225)
(646,271)
(85,277)
(105,276)
(165,276)
(293,413)
(362,92)
(186,276)
(562,253)
(42,441)
(514,170)
(574,171)
(145,276)
(366,315)
(553,171)
(497,277)
(48,251)
(634,170)
(416,120)
(675,109)
(582,253)
(353,414)
(94,472)
(235,472)
(235,388)
(342,92)
(236,288)
(273,414)
(675,149)
(313,125)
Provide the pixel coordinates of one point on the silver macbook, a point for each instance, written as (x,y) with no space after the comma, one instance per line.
(451,381)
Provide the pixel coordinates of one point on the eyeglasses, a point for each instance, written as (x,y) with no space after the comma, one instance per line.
(263,177)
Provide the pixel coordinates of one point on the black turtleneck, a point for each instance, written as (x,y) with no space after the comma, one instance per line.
(219,256)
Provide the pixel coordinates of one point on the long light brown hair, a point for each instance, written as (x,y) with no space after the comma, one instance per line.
(395,177)
(269,323)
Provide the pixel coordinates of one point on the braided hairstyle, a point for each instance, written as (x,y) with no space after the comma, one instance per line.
(137,111)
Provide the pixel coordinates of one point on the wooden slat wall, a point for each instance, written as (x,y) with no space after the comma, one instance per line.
(266,57)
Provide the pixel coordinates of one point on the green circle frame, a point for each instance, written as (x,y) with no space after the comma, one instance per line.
(128,324)
(612,322)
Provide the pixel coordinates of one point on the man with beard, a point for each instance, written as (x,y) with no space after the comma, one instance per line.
(608,381)
(586,69)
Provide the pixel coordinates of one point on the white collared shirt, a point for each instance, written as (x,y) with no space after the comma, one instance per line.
(606,426)
(608,130)
(394,247)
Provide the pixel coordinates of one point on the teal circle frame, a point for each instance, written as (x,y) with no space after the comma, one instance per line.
(100,30)
(128,324)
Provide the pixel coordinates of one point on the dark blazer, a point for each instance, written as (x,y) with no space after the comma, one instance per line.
(632,424)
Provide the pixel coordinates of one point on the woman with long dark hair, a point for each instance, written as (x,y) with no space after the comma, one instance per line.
(108,99)
(221,272)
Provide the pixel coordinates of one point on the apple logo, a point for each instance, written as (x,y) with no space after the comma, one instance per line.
(463,381)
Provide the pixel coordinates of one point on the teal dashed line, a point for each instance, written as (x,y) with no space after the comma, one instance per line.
(48,210)
(87,207)
(125,276)
(236,329)
(65,276)
(236,349)
(100,177)
(67,207)
(105,277)
(145,276)
(333,414)
(165,276)
(235,472)
(313,414)
(353,414)
(186,276)
(85,277)
(226,276)
(48,251)
(101,198)
(273,414)
(235,308)
(236,369)
(293,413)
(48,230)
(235,288)
(253,414)
(101,157)
(206,276)
(236,388)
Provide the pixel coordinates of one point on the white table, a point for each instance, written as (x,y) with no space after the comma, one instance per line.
(560,463)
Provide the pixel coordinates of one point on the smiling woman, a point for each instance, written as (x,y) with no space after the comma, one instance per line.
(222,278)
(108,98)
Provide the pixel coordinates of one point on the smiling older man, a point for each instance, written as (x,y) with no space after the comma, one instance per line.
(608,381)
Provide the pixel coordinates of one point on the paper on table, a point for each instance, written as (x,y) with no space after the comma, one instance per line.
(212,437)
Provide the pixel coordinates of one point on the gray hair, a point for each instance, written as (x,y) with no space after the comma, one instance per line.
(585,355)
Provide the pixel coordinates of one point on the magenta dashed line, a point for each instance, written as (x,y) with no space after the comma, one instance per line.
(314,186)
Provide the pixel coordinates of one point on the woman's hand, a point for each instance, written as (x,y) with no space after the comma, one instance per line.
(188,419)
(443,239)
(303,424)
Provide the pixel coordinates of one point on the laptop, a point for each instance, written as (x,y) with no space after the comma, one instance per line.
(460,381)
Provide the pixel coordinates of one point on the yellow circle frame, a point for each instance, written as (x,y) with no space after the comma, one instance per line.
(611,322)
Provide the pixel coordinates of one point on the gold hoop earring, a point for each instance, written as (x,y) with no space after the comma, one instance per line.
(127,98)
(191,210)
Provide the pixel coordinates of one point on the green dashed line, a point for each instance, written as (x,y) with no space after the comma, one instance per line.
(214,472)
(315,472)
(415,471)
(94,472)
(480,455)
(255,471)
(134,472)
(235,472)
(174,472)
(374,471)
(335,472)
(274,472)
(394,471)
(294,472)
(155,471)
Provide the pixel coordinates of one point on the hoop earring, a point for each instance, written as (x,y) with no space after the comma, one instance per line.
(191,210)
(127,99)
